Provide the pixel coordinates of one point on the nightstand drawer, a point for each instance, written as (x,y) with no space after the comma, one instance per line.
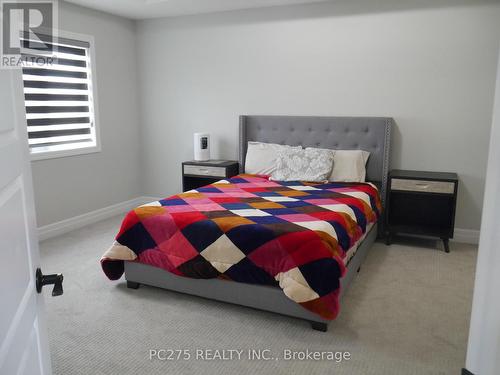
(443,187)
(199,170)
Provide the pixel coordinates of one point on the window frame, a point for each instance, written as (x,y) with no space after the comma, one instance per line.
(44,155)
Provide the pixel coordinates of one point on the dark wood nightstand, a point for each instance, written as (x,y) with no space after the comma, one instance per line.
(421,203)
(200,173)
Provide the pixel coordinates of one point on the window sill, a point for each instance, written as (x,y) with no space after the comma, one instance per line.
(64,153)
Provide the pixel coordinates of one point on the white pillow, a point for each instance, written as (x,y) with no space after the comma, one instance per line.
(349,165)
(311,164)
(261,157)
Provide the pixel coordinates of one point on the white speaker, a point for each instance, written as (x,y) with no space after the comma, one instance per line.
(201,146)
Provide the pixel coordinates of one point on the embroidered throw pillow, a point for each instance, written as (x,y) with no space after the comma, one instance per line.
(312,164)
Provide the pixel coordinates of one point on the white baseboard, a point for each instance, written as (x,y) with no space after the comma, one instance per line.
(466,236)
(67,225)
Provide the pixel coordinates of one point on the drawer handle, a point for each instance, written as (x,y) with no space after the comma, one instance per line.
(203,170)
(422,185)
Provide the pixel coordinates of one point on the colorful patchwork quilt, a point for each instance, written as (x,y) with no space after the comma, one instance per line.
(293,235)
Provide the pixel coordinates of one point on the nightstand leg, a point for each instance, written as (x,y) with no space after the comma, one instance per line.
(446,243)
(388,238)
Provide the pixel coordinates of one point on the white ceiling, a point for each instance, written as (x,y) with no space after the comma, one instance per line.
(141,9)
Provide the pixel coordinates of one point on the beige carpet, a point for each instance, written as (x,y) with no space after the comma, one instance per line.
(406,313)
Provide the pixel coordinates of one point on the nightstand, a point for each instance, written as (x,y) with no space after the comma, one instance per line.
(421,203)
(200,173)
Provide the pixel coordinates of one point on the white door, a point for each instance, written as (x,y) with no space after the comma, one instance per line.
(23,336)
(483,353)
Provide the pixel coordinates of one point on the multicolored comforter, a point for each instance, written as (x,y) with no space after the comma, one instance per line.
(249,229)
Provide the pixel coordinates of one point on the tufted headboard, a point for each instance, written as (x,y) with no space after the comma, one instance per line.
(347,133)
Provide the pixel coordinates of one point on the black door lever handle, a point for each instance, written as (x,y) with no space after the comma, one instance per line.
(56,279)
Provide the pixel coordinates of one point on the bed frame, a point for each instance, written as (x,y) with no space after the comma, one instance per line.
(367,133)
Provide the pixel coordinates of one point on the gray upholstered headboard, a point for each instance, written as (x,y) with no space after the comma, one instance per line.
(347,133)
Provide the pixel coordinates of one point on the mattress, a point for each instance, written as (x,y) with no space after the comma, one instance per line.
(295,235)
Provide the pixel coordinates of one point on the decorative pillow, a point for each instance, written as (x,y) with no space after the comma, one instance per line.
(311,164)
(262,157)
(349,165)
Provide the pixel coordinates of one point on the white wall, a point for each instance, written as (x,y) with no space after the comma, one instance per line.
(74,185)
(429,64)
(483,353)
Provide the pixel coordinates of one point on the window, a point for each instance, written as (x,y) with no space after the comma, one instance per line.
(59,98)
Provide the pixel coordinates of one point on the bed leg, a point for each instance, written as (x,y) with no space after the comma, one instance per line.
(317,326)
(133,285)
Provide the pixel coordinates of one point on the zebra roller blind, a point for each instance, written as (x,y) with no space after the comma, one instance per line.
(58,94)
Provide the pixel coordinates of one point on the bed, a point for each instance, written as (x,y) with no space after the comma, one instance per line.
(367,133)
